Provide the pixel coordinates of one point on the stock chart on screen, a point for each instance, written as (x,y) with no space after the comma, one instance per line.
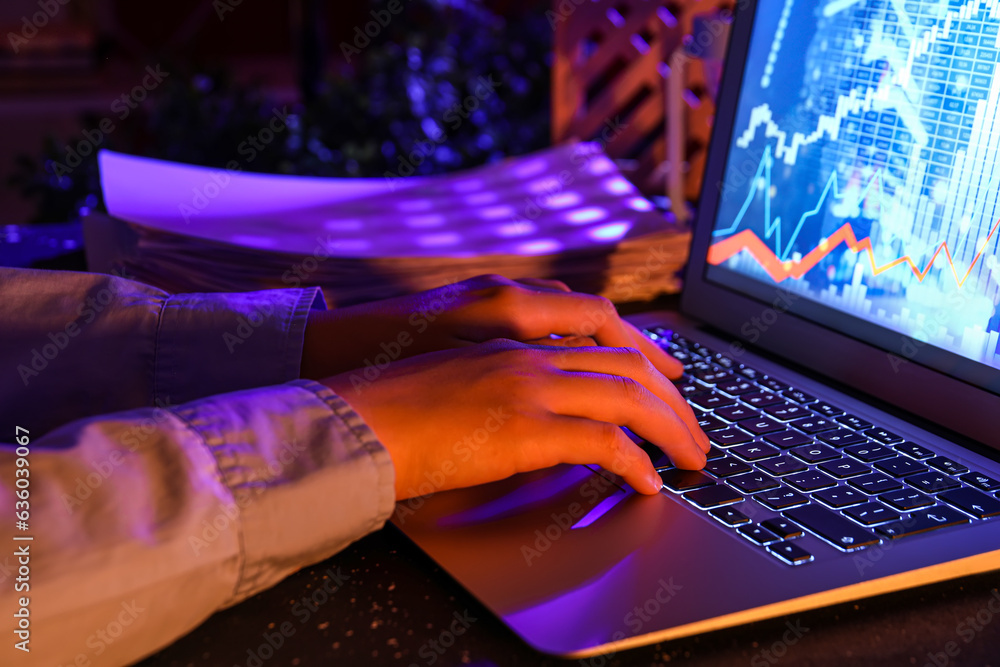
(863,169)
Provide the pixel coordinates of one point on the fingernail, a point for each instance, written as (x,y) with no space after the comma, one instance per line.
(655,483)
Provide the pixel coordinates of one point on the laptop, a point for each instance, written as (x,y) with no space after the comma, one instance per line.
(839,330)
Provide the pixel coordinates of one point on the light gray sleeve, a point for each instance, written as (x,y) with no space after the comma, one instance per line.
(143,523)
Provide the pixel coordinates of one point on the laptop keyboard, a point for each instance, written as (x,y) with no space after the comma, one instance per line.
(838,476)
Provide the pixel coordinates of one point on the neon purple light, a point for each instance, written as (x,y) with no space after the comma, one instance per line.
(496,212)
(512,229)
(602,508)
(609,232)
(600,165)
(531,168)
(668,19)
(639,204)
(481,198)
(561,200)
(423,221)
(639,43)
(342,225)
(468,185)
(539,247)
(253,241)
(615,17)
(414,205)
(438,240)
(541,186)
(582,216)
(351,245)
(618,186)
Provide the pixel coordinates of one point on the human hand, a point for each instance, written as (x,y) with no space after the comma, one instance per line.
(469,416)
(463,314)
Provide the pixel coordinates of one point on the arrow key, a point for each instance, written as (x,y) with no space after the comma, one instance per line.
(976,503)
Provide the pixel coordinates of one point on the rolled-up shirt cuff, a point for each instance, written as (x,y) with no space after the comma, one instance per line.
(306,475)
(244,340)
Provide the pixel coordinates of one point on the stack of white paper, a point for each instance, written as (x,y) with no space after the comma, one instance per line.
(564,213)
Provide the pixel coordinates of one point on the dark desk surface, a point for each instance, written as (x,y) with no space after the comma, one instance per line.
(395,606)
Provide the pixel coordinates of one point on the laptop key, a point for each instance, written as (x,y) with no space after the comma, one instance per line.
(785,411)
(729,436)
(913,450)
(883,436)
(852,421)
(826,409)
(710,423)
(844,468)
(723,360)
(944,464)
(814,424)
(980,481)
(713,496)
(786,439)
(783,528)
(842,437)
(655,454)
(810,480)
(841,496)
(780,499)
(900,466)
(790,552)
(711,376)
(798,396)
(875,483)
(922,522)
(816,453)
(729,516)
(679,480)
(772,384)
(737,387)
(905,500)
(976,503)
(832,527)
(782,465)
(714,453)
(872,513)
(750,373)
(757,534)
(869,453)
(761,399)
(752,482)
(727,467)
(754,451)
(761,425)
(932,482)
(735,413)
(711,400)
(689,389)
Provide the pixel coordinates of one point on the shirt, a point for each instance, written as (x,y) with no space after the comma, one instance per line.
(162,460)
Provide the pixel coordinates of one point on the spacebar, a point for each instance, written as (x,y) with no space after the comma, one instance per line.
(833,528)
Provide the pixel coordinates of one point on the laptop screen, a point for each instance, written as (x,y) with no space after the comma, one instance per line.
(863,174)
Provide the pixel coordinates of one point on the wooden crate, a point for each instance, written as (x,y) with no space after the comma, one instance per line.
(636,76)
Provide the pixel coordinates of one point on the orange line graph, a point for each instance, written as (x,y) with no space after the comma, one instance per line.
(778,270)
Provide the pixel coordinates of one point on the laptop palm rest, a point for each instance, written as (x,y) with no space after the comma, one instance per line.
(576,564)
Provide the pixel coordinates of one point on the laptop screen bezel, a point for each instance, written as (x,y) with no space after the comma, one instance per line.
(899,376)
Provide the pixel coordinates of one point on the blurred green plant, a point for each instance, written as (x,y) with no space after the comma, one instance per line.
(412,101)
